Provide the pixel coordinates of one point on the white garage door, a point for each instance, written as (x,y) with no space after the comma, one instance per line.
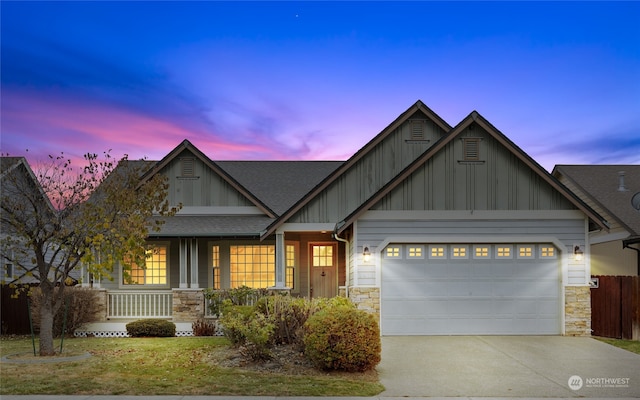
(467,289)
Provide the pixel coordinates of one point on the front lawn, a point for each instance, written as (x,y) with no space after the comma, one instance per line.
(164,366)
(630,345)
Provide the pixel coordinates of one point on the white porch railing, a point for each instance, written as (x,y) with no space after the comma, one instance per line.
(139,304)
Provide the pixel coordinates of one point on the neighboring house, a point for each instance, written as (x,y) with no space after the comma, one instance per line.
(17,176)
(608,189)
(436,229)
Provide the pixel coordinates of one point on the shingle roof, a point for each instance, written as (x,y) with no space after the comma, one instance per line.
(213,225)
(279,184)
(601,183)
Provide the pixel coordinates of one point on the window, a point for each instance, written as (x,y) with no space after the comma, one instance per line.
(436,252)
(504,251)
(525,251)
(392,252)
(215,263)
(9,271)
(547,252)
(154,271)
(415,251)
(253,266)
(291,258)
(481,252)
(471,149)
(459,252)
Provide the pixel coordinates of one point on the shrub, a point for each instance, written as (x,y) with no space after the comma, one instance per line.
(242,296)
(251,332)
(151,328)
(287,314)
(82,308)
(203,327)
(342,338)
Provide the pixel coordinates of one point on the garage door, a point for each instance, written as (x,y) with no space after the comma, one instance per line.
(467,289)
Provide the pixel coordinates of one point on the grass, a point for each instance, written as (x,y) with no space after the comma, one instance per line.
(162,366)
(629,345)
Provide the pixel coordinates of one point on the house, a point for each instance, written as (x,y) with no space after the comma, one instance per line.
(17,183)
(609,190)
(436,229)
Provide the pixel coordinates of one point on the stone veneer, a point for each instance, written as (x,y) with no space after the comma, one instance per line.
(367,299)
(577,310)
(188,305)
(101,300)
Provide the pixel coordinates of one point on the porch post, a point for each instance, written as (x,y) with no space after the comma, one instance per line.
(194,264)
(280,261)
(183,264)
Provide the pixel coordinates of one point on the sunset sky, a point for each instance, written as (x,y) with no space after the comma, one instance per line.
(316,81)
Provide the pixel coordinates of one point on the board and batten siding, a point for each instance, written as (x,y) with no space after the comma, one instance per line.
(204,188)
(380,165)
(498,181)
(564,231)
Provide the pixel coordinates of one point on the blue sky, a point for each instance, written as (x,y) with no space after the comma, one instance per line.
(316,80)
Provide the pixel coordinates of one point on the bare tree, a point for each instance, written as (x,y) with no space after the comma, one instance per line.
(98,217)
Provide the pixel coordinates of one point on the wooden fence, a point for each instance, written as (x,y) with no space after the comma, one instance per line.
(615,307)
(13,312)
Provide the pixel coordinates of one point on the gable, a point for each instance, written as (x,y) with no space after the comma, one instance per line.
(394,150)
(474,172)
(195,184)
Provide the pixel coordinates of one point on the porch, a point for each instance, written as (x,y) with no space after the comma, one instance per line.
(119,307)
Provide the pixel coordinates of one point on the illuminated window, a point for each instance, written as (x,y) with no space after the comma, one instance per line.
(503,251)
(436,252)
(525,252)
(547,252)
(291,258)
(215,252)
(459,252)
(322,256)
(415,252)
(481,252)
(253,266)
(392,252)
(154,271)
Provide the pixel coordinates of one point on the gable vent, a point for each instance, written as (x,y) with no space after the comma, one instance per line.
(187,167)
(417,130)
(471,149)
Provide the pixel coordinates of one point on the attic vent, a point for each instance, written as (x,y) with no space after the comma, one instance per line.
(187,167)
(471,149)
(417,130)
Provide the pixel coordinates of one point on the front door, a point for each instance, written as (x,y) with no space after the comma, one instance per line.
(323,260)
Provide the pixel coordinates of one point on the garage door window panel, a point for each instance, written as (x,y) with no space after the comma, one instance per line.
(437,252)
(415,252)
(481,252)
(548,252)
(392,252)
(526,252)
(459,252)
(504,251)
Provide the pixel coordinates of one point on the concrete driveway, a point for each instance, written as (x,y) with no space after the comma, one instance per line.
(506,366)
